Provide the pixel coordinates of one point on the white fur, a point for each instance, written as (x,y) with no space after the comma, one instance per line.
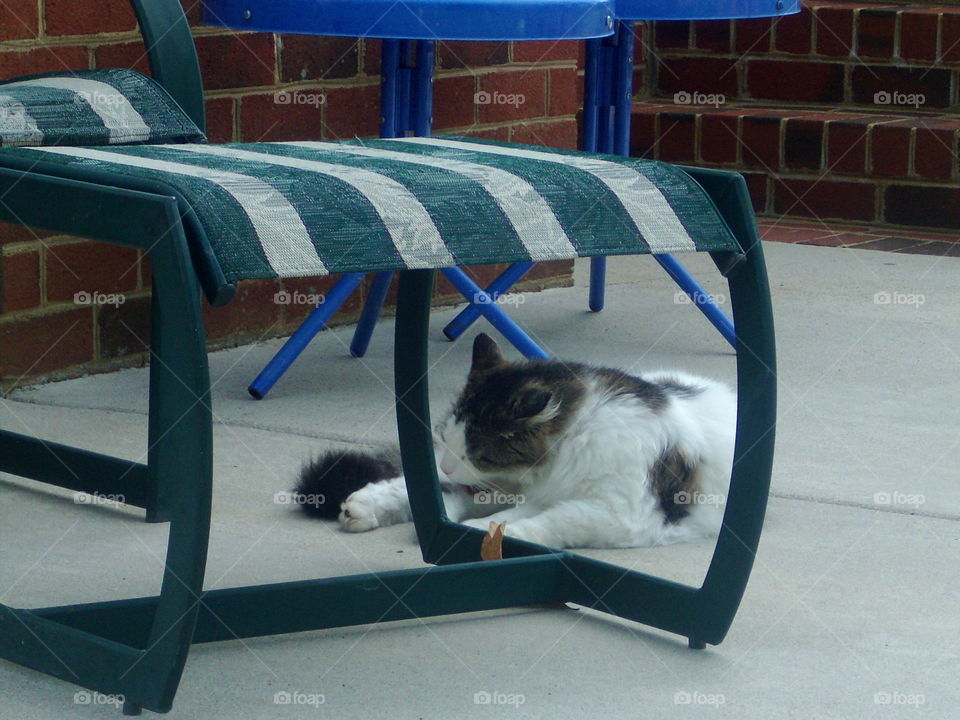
(593,488)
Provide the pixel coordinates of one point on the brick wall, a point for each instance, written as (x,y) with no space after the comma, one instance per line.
(45,333)
(846,111)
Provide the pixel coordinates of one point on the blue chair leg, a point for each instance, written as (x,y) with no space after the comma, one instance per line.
(700,297)
(371,311)
(487,307)
(498,287)
(598,283)
(315,322)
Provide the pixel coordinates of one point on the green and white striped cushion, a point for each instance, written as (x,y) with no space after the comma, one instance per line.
(91,107)
(310,208)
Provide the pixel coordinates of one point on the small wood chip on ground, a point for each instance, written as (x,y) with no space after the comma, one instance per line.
(492,546)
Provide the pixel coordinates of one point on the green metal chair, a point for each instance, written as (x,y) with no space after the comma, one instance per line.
(208,216)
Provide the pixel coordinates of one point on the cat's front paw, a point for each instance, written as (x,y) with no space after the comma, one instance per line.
(478,523)
(358,513)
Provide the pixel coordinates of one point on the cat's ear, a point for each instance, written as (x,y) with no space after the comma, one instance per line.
(534,405)
(486,355)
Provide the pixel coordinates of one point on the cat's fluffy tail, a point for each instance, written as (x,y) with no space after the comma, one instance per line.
(336,474)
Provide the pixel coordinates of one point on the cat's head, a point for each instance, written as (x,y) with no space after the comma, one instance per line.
(506,419)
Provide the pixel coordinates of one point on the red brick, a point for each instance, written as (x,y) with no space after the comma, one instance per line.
(370,49)
(236,61)
(847,147)
(922,205)
(794,33)
(677,141)
(87,17)
(934,153)
(834,31)
(295,313)
(546,51)
(220,120)
(310,57)
(192,9)
(950,37)
(131,55)
(253,314)
(933,83)
(263,119)
(124,329)
(500,134)
(671,34)
(453,102)
(527,85)
(797,81)
(19,19)
(47,58)
(89,267)
(712,35)
(36,345)
(824,199)
(562,134)
(757,183)
(761,142)
(352,111)
(890,150)
(643,138)
(803,143)
(469,54)
(918,36)
(719,141)
(697,74)
(565,92)
(10,233)
(19,281)
(876,31)
(752,35)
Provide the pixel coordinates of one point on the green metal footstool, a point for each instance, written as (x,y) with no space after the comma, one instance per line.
(119,158)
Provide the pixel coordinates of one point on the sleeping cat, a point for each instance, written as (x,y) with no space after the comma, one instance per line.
(566,454)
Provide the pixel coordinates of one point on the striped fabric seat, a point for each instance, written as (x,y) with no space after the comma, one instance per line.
(91,107)
(266,210)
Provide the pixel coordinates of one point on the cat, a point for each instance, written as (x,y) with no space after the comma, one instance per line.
(566,454)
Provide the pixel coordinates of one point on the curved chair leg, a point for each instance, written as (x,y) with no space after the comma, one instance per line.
(297,343)
(703,615)
(137,648)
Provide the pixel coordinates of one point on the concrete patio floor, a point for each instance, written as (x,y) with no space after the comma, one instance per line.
(851,612)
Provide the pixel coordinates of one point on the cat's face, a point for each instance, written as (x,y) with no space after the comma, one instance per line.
(506,418)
